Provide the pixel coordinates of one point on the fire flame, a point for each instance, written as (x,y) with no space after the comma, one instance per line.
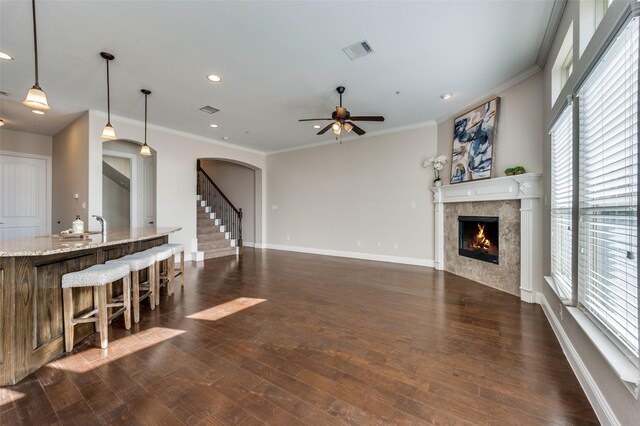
(480,242)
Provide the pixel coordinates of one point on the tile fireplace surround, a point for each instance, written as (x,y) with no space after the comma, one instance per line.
(504,196)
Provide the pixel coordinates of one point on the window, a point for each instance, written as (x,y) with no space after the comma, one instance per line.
(567,68)
(563,65)
(591,14)
(562,200)
(608,196)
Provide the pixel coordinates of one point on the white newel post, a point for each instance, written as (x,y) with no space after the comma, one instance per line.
(528,189)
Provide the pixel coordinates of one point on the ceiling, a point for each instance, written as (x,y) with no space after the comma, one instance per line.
(279,61)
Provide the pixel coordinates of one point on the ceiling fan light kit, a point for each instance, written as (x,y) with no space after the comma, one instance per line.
(36,97)
(342,119)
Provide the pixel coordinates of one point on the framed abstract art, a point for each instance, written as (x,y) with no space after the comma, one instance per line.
(474,138)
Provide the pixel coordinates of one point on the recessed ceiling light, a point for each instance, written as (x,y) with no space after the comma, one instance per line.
(213,125)
(214,77)
(445,96)
(316,126)
(35,111)
(226,138)
(6,56)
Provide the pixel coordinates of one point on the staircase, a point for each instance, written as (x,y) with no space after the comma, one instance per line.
(219,222)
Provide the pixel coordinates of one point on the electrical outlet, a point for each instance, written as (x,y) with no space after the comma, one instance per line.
(413,204)
(288,238)
(84,204)
(274,207)
(395,246)
(379,244)
(359,243)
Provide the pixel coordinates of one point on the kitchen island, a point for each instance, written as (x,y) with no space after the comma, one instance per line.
(31,270)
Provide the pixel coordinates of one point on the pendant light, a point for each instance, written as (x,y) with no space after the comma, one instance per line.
(36,98)
(108,132)
(145,151)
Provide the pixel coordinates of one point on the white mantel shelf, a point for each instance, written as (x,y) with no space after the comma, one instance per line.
(527,188)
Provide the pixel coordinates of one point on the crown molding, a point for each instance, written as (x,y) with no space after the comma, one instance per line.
(518,78)
(137,123)
(354,138)
(550,32)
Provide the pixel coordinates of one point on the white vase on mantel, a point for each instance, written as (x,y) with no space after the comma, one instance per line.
(437,183)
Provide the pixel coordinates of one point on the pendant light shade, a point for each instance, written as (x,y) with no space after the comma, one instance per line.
(347,126)
(336,126)
(145,151)
(108,132)
(36,99)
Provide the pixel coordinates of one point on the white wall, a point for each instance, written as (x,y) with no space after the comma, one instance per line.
(176,154)
(71,174)
(519,133)
(607,392)
(25,143)
(238,184)
(330,197)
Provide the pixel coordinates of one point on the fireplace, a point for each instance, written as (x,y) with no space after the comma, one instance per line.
(478,238)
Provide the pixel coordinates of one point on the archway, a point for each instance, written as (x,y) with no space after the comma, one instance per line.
(242,184)
(128,185)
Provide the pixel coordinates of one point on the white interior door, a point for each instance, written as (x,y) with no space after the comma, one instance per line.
(149,190)
(23,197)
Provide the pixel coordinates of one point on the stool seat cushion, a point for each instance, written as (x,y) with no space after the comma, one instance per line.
(95,275)
(161,253)
(136,261)
(175,248)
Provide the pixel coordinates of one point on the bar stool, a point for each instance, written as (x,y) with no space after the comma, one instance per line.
(98,277)
(138,262)
(162,254)
(178,249)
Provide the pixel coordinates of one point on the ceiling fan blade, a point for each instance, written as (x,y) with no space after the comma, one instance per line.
(357,129)
(321,132)
(315,119)
(367,118)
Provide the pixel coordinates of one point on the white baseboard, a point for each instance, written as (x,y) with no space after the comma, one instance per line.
(594,394)
(249,244)
(354,255)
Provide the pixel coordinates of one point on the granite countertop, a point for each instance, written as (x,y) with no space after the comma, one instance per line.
(53,244)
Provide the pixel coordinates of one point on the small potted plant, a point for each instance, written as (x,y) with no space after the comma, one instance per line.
(518,170)
(437,163)
(509,171)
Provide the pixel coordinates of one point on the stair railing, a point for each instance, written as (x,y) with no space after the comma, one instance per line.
(230,215)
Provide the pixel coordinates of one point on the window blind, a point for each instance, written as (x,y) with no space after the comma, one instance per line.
(562,200)
(608,183)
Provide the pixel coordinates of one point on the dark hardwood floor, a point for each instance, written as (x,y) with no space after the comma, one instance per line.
(285,338)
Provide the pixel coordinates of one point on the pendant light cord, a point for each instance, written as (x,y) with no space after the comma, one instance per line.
(108,96)
(145,118)
(35,40)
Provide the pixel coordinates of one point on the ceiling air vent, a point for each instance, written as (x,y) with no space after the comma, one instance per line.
(209,109)
(358,50)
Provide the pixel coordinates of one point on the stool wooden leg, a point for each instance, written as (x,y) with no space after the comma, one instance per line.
(135,301)
(171,272)
(126,299)
(182,268)
(96,326)
(157,282)
(67,298)
(109,298)
(103,325)
(151,277)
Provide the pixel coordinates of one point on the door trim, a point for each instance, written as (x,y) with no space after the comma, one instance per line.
(133,199)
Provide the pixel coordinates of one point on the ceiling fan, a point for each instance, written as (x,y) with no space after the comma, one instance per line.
(342,119)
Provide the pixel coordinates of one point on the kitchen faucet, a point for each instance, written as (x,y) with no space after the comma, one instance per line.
(103,223)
